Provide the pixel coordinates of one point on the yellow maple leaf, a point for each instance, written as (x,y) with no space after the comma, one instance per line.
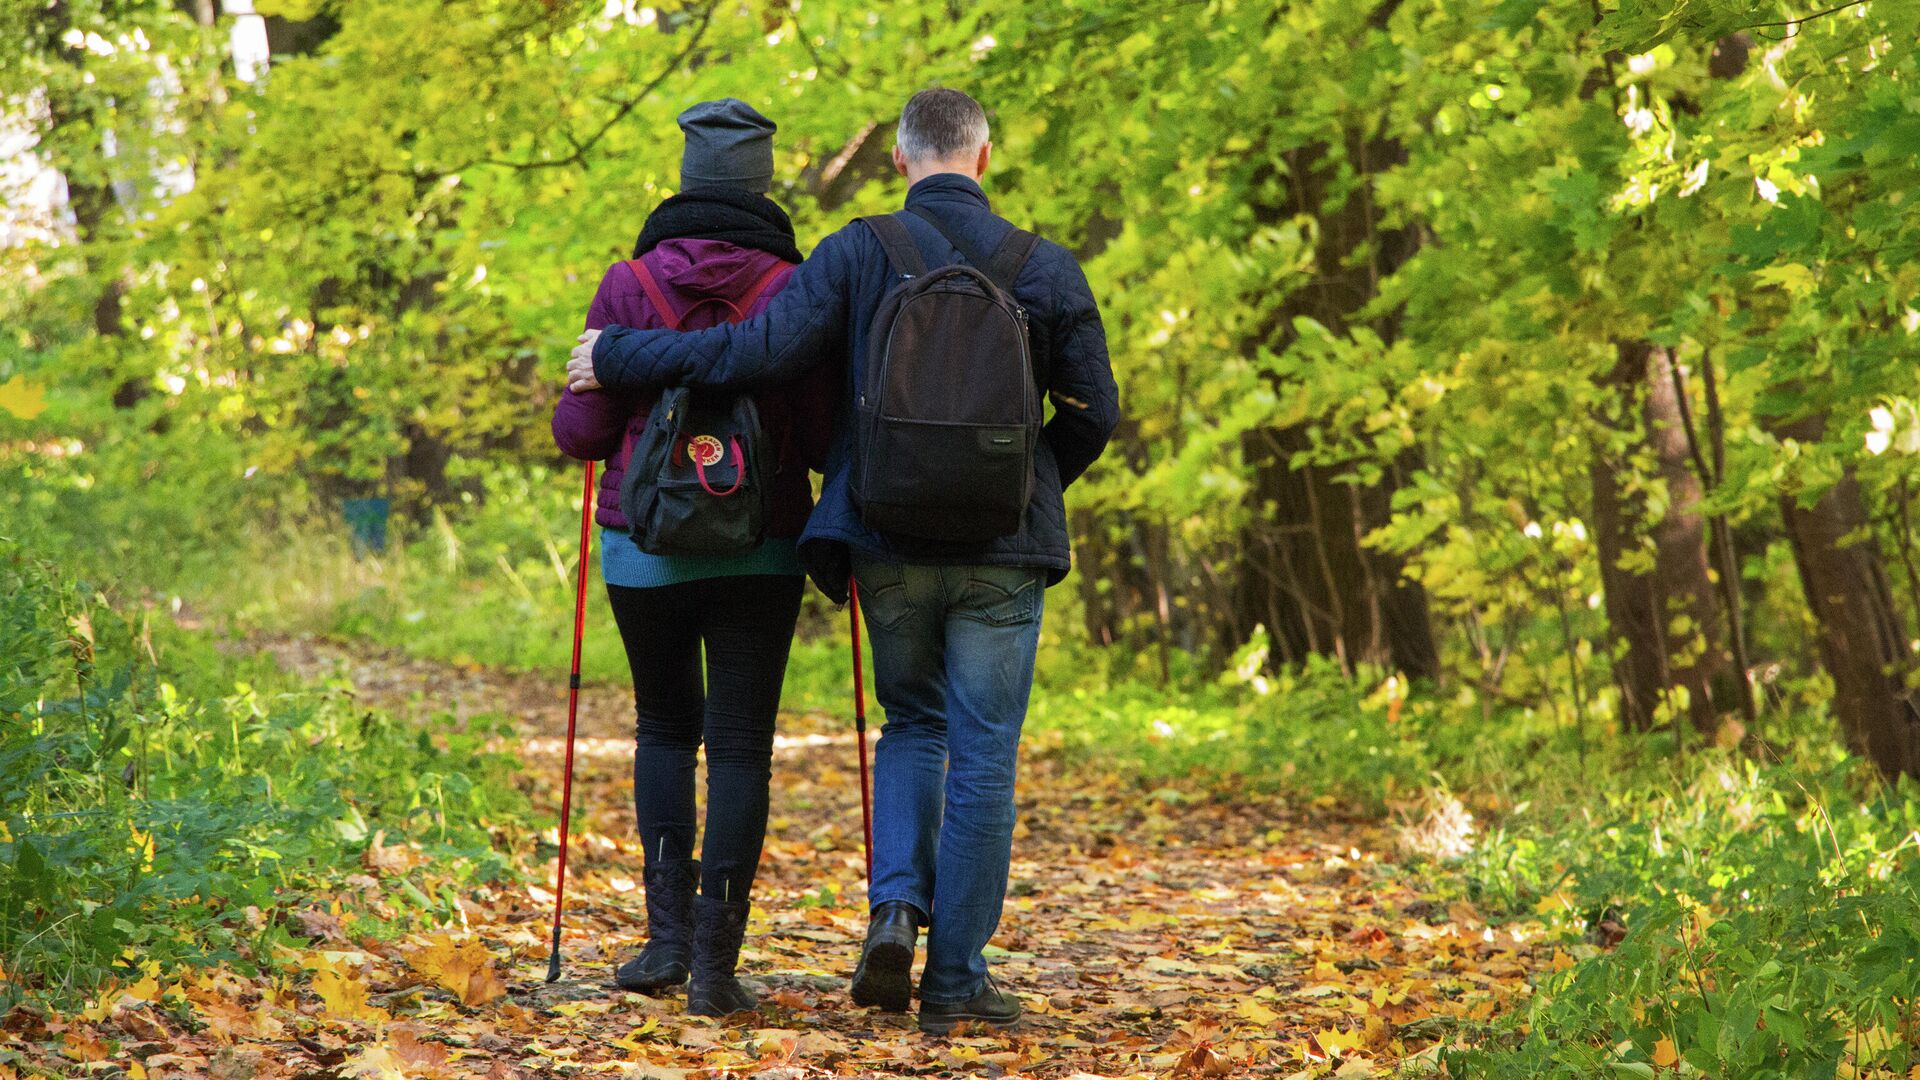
(21,398)
(634,1040)
(466,968)
(345,997)
(1334,1042)
(148,988)
(1258,1013)
(1664,1054)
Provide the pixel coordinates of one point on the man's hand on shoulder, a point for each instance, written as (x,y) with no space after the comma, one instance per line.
(580,377)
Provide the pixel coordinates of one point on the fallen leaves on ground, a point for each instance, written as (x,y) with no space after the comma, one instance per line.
(464,967)
(342,994)
(1192,937)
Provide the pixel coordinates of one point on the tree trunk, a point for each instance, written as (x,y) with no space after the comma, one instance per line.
(1664,621)
(1092,556)
(91,200)
(91,203)
(1306,574)
(867,157)
(1861,639)
(1696,654)
(1629,596)
(300,37)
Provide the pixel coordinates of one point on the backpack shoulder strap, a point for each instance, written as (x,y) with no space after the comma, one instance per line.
(971,253)
(902,252)
(746,302)
(652,289)
(739,307)
(1004,267)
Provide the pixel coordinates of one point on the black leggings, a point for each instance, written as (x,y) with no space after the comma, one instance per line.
(746,624)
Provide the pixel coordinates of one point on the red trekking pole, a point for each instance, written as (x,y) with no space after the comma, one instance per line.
(860,726)
(573,710)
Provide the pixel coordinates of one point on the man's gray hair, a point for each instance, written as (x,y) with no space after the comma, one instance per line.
(940,124)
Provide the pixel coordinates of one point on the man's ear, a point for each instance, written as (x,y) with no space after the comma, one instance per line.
(899,160)
(986,156)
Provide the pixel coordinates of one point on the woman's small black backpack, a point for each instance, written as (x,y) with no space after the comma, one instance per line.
(697,481)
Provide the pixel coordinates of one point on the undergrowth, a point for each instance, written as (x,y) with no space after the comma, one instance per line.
(167,804)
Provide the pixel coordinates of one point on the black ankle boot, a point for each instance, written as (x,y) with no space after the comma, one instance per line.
(885,974)
(668,954)
(718,928)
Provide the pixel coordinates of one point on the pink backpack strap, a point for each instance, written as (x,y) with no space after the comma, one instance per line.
(740,308)
(654,293)
(760,286)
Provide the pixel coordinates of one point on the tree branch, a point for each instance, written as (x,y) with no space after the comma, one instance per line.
(581,147)
(840,68)
(1806,18)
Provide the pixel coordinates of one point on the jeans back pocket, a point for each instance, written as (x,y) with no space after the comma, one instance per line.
(1000,595)
(883,592)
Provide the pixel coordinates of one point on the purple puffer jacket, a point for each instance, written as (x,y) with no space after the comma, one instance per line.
(601,425)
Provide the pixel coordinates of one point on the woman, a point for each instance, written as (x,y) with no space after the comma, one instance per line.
(717,248)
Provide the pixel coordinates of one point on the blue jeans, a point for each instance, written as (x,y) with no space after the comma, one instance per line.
(952,666)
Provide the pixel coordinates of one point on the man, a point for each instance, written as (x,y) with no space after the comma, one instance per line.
(954,626)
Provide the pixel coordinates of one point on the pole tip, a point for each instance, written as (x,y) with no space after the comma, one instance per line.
(553,967)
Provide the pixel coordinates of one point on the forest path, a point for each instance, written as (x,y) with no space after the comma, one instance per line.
(1148,932)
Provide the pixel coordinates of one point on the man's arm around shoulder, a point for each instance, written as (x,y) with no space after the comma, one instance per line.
(798,328)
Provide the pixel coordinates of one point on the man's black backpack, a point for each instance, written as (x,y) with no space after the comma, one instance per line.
(948,418)
(696,483)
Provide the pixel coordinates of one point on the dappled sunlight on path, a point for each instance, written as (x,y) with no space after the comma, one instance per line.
(1148,933)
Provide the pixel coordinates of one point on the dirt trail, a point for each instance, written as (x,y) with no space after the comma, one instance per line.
(1149,932)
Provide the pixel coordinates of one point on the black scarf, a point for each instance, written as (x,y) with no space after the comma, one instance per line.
(743,218)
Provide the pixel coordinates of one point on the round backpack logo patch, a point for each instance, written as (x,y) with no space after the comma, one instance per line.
(705,450)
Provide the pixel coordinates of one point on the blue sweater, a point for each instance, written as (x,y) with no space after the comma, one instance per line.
(623,563)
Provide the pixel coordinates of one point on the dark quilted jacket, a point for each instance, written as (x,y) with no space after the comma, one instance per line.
(823,317)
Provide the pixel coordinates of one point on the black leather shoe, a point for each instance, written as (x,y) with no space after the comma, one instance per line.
(668,955)
(992,1006)
(885,974)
